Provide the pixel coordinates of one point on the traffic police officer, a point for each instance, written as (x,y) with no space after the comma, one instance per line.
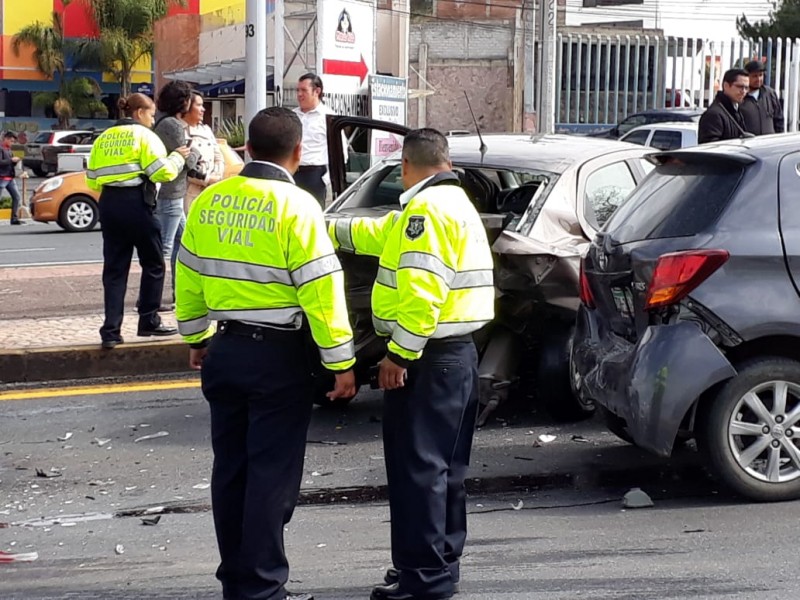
(433,290)
(126,162)
(256,257)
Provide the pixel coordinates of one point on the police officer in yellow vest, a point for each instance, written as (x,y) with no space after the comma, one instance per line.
(433,290)
(256,257)
(126,162)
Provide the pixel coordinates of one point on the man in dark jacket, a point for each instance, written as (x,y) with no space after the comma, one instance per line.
(761,109)
(723,120)
(8,165)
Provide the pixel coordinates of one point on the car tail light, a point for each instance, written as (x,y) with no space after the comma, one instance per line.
(677,274)
(587,298)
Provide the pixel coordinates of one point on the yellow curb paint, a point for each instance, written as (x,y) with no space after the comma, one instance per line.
(120,388)
(5,213)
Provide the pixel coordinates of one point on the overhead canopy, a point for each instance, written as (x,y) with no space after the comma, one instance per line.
(215,72)
(229,88)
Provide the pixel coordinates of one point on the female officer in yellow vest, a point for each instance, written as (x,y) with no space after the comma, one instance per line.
(126,162)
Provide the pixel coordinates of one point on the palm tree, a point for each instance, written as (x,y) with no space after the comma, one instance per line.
(126,35)
(77,96)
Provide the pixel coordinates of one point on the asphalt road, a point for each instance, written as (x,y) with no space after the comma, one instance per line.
(546,518)
(35,244)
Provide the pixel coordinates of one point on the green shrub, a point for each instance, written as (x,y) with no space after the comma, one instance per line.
(5,202)
(232,131)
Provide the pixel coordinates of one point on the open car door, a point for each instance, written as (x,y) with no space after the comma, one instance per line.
(357,143)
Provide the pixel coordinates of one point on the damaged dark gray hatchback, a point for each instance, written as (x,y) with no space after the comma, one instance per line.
(690,316)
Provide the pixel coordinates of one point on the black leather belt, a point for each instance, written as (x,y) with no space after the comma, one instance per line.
(311,167)
(455,339)
(257,332)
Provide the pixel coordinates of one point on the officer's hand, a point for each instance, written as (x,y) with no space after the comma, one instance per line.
(391,376)
(345,386)
(196,356)
(183,151)
(15,159)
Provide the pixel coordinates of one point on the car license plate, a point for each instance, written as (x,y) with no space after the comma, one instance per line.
(623,299)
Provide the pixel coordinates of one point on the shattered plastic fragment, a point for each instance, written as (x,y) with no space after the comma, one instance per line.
(321,545)
(8,557)
(40,473)
(546,438)
(152,436)
(518,505)
(119,549)
(151,520)
(636,498)
(101,441)
(580,438)
(202,486)
(154,510)
(65,437)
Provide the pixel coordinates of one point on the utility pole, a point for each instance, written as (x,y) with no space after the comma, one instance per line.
(280,53)
(547,107)
(255,30)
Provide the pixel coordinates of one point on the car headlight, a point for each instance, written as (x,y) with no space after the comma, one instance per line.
(48,185)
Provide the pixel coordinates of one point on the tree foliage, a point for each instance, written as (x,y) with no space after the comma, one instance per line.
(784,22)
(76,96)
(125,35)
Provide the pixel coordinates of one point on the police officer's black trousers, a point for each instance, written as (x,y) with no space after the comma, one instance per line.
(427,435)
(128,223)
(261,400)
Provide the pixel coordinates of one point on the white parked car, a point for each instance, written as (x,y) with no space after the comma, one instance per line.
(663,136)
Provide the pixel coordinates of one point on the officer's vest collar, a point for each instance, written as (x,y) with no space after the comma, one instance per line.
(443,178)
(261,170)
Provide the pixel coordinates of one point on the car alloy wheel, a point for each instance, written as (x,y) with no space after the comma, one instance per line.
(78,213)
(764,432)
(749,430)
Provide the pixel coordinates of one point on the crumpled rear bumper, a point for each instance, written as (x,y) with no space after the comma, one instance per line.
(652,383)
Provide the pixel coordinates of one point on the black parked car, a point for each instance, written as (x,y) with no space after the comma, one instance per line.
(655,115)
(690,316)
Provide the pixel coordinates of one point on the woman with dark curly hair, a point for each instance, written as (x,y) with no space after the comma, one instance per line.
(173,101)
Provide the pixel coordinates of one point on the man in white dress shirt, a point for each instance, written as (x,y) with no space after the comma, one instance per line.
(312,112)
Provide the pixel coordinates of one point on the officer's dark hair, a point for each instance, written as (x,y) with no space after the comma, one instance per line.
(174,98)
(316,81)
(130,104)
(731,75)
(274,133)
(426,148)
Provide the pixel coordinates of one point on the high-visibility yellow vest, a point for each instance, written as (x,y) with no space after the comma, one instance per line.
(255,249)
(435,275)
(123,155)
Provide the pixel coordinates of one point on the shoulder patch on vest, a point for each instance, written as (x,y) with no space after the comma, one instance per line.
(415,227)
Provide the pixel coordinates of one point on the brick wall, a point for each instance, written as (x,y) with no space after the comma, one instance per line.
(464,55)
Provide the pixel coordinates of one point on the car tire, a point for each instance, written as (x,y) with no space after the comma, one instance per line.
(740,426)
(40,171)
(78,213)
(554,379)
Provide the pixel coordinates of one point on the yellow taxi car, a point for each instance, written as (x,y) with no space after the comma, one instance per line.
(66,199)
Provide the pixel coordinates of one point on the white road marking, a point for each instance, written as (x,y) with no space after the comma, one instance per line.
(26,250)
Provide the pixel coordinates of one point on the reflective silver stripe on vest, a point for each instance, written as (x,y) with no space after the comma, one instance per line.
(126,183)
(113,170)
(290,315)
(426,262)
(193,327)
(387,277)
(409,341)
(227,269)
(343,235)
(319,267)
(154,166)
(473,279)
(443,330)
(338,354)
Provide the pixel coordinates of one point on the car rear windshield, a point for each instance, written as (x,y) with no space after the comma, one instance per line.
(676,200)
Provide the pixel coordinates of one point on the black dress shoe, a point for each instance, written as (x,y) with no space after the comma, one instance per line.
(110,344)
(393,576)
(160,331)
(300,596)
(393,592)
(16,222)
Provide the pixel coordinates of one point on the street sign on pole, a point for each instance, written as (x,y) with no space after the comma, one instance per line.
(546,116)
(255,29)
(346,48)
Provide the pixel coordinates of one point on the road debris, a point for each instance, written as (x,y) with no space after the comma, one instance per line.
(65,437)
(101,441)
(119,549)
(518,505)
(546,438)
(8,557)
(151,521)
(154,510)
(48,474)
(636,498)
(580,439)
(201,486)
(152,436)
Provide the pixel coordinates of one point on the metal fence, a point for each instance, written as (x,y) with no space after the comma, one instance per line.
(604,78)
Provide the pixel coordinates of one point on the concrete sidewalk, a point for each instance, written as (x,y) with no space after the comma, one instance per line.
(64,342)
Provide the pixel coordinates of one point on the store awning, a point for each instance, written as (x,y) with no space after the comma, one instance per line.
(215,72)
(229,88)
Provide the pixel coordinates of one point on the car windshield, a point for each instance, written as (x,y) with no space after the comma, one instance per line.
(42,137)
(677,199)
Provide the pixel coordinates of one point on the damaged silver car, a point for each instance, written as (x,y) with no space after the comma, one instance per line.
(541,200)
